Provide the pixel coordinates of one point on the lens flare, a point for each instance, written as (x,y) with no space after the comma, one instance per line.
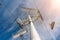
(55,3)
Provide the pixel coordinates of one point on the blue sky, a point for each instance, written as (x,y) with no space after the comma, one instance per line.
(10,11)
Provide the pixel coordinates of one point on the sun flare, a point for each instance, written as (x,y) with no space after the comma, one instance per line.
(56,3)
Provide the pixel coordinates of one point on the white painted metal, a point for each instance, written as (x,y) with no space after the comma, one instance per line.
(22,32)
(33,33)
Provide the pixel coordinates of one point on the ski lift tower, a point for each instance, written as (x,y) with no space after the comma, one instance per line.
(33,32)
(30,19)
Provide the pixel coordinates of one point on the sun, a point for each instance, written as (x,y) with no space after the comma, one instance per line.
(55,3)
